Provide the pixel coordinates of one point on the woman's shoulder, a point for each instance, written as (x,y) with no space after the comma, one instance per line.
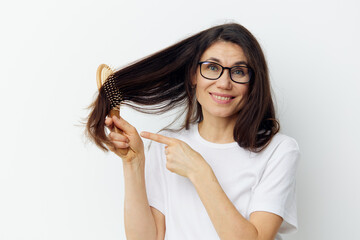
(283,142)
(281,149)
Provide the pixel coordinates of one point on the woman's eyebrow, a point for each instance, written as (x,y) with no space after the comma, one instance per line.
(214,59)
(218,61)
(240,63)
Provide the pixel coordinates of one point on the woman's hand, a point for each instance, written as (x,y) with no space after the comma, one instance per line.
(128,139)
(180,157)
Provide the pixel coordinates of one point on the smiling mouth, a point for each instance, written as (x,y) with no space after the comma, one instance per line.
(221,97)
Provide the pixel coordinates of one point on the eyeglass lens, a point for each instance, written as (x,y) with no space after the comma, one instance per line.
(212,70)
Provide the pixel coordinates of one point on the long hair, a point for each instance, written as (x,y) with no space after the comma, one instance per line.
(163,81)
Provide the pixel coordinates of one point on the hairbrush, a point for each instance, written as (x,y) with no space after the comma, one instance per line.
(104,77)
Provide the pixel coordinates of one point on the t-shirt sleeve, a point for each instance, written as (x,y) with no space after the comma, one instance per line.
(155,176)
(276,190)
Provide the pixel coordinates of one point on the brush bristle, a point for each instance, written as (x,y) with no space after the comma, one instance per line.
(112,93)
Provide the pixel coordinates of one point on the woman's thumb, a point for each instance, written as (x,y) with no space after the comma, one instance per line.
(121,124)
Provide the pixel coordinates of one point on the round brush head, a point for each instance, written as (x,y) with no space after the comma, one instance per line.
(102,73)
(103,78)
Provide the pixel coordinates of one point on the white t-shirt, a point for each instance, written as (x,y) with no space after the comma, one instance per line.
(262,181)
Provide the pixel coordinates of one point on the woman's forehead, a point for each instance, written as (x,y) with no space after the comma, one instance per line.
(225,53)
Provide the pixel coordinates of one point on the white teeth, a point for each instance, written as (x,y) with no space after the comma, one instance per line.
(221,98)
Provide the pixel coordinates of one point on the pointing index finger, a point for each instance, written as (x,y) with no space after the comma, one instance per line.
(157,137)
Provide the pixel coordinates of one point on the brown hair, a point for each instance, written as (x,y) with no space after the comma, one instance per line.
(163,81)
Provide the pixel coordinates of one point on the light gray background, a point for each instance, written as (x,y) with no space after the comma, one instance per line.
(54,186)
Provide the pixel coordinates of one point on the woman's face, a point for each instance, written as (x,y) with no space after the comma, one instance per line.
(221,97)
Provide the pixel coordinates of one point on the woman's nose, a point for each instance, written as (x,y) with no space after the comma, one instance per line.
(224,81)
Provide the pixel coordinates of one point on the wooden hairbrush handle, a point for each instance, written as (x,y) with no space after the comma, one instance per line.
(102,73)
(114,112)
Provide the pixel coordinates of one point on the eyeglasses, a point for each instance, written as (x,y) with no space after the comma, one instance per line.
(212,71)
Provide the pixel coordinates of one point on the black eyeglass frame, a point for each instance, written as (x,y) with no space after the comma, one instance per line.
(222,71)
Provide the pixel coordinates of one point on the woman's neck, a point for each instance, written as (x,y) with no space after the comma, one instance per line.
(217,130)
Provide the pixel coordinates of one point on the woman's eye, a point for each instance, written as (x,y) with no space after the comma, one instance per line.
(213,68)
(239,72)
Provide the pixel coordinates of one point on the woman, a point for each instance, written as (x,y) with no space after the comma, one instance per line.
(228,173)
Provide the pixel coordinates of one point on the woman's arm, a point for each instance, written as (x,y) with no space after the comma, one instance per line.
(139,221)
(227,220)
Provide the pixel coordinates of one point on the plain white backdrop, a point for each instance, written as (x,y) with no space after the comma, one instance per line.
(55,186)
